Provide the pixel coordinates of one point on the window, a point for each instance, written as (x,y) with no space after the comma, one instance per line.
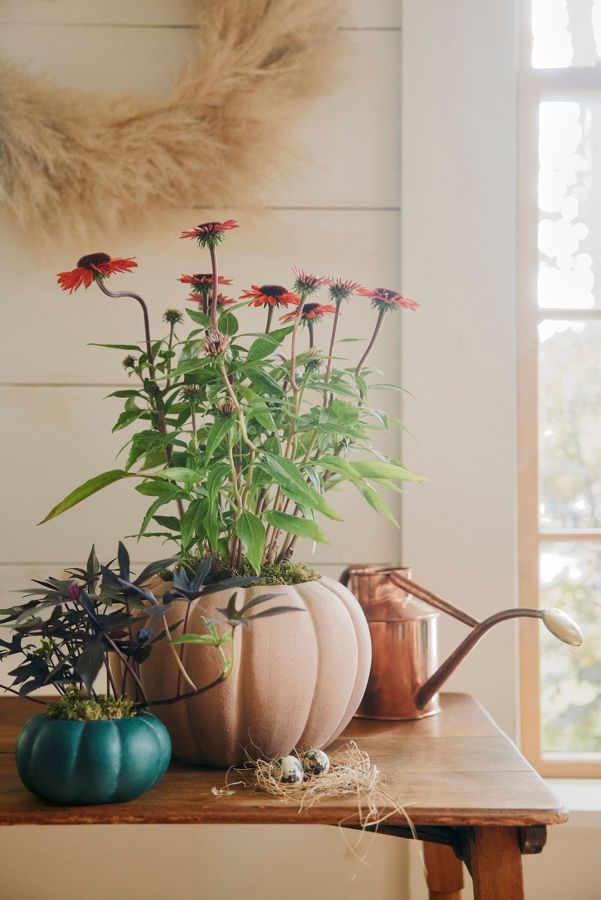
(560,377)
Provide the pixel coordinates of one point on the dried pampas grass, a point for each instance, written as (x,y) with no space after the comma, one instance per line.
(72,162)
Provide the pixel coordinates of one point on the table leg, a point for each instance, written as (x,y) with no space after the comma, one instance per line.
(444,872)
(495,863)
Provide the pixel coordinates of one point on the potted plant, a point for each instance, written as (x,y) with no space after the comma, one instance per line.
(93,745)
(240,441)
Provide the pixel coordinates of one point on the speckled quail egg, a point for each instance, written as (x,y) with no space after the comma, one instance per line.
(315,762)
(288,770)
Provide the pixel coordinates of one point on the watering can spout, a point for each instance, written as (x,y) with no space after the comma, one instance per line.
(405,678)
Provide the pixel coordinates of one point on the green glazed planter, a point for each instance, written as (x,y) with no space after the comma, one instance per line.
(92,762)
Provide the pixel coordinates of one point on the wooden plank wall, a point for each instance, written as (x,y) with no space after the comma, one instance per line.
(337,212)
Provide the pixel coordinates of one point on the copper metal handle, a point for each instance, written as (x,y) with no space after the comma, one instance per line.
(435,681)
(431,599)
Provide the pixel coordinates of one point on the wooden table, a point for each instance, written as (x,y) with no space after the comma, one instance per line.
(471,796)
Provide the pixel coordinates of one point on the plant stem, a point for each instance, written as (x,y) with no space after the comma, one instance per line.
(237,407)
(228,668)
(170,348)
(178,662)
(311,327)
(371,344)
(129,668)
(117,295)
(270,310)
(213,253)
(293,345)
(327,398)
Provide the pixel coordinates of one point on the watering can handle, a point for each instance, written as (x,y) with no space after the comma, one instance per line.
(431,599)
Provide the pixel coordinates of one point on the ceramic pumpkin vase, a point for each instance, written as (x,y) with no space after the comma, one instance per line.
(297,682)
(71,762)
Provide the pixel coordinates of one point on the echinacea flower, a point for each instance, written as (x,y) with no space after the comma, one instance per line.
(341,289)
(209,234)
(306,283)
(203,281)
(173,317)
(383,298)
(269,295)
(216,344)
(311,312)
(93,267)
(225,409)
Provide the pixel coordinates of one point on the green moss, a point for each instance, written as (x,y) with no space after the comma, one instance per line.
(271,573)
(77,706)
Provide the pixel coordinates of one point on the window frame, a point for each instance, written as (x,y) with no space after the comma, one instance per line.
(535,85)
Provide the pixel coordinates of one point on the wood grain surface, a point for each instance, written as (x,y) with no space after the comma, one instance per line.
(456,768)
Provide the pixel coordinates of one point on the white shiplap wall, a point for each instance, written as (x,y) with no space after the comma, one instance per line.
(337,213)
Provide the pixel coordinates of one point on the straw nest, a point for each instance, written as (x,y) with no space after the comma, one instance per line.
(351,774)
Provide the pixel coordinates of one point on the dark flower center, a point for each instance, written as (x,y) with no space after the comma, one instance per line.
(92,260)
(209,226)
(388,295)
(203,277)
(309,307)
(273,290)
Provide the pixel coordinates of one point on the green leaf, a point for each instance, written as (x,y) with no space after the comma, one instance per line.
(127,418)
(117,346)
(286,474)
(86,490)
(294,525)
(152,509)
(181,473)
(218,431)
(201,639)
(339,466)
(155,487)
(377,469)
(170,522)
(190,522)
(199,317)
(377,502)
(228,323)
(266,344)
(251,532)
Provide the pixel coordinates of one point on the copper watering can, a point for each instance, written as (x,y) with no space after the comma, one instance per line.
(402,618)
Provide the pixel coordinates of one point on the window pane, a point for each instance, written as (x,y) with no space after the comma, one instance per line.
(570,579)
(569,200)
(570,424)
(566,33)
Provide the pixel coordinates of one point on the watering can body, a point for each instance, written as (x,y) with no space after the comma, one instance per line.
(405,675)
(404,644)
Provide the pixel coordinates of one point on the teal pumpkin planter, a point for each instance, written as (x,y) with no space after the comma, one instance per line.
(92,762)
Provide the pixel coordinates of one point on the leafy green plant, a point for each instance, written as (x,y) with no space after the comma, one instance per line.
(242,438)
(70,630)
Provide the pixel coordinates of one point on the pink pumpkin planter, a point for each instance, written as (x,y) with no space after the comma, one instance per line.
(297,682)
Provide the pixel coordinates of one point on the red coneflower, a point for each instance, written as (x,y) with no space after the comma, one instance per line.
(383,298)
(209,234)
(203,281)
(270,295)
(311,312)
(93,267)
(309,315)
(306,283)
